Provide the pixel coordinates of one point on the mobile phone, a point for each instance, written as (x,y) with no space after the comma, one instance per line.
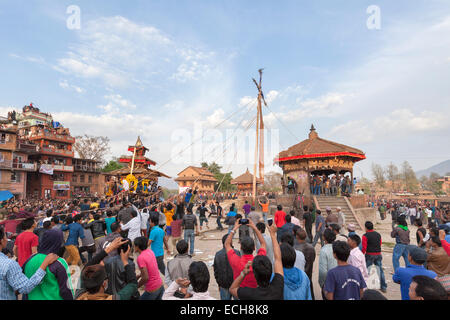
(270,221)
(178,294)
(243,221)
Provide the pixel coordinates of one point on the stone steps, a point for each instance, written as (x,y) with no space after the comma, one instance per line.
(333,203)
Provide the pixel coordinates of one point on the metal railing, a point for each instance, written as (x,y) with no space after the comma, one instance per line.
(29,166)
(58,151)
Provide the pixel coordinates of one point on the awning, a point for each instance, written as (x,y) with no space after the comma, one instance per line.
(5,195)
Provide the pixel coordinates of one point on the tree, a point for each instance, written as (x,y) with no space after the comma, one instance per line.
(112,165)
(378,173)
(432,184)
(409,178)
(91,147)
(366,186)
(224,179)
(392,175)
(272,182)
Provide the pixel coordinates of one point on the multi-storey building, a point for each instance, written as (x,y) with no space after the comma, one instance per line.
(54,156)
(87,179)
(14,163)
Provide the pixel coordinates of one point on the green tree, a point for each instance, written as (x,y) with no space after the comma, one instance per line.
(112,165)
(224,179)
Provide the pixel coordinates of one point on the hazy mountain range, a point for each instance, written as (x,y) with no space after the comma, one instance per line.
(440,168)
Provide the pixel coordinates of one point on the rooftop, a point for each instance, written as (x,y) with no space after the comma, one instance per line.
(316,147)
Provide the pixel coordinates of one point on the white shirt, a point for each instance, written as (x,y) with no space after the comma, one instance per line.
(134,227)
(429,212)
(299,260)
(144,219)
(295,221)
(358,260)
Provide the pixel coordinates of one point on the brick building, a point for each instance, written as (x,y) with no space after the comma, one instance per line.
(14,163)
(87,179)
(54,154)
(197,177)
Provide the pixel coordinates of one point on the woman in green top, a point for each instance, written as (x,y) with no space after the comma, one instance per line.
(57,283)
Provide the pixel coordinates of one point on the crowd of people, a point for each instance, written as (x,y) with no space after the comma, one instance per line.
(121,246)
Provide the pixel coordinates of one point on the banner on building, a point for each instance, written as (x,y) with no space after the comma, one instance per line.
(61,185)
(46,169)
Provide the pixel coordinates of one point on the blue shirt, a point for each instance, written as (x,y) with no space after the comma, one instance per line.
(404,277)
(12,279)
(157,237)
(109,221)
(188,197)
(319,219)
(345,282)
(75,231)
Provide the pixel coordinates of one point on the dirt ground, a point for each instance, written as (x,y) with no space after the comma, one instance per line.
(209,242)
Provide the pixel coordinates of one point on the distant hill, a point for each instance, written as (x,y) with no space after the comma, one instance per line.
(440,168)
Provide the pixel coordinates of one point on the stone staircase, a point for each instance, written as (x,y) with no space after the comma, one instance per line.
(322,202)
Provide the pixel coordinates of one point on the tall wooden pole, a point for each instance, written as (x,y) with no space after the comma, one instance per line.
(256,147)
(261,145)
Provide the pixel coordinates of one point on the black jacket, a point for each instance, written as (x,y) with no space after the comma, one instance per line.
(222,269)
(117,275)
(98,228)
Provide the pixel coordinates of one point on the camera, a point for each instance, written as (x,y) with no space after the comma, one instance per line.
(243,221)
(270,221)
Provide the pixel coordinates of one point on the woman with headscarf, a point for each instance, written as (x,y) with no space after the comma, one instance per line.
(57,283)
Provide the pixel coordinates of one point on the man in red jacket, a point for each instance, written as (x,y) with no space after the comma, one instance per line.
(280,217)
(371,247)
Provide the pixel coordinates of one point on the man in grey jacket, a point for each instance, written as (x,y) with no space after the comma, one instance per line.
(178,267)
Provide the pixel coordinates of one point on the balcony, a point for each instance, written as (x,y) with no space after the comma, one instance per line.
(26,166)
(56,167)
(52,136)
(61,152)
(5,164)
(25,147)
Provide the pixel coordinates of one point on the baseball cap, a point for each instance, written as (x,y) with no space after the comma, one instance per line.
(47,219)
(328,209)
(418,255)
(351,227)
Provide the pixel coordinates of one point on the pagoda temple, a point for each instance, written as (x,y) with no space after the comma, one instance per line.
(137,164)
(317,156)
(244,182)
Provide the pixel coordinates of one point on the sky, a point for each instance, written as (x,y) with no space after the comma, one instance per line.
(179,75)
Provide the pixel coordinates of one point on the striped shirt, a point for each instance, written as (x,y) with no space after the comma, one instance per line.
(12,279)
